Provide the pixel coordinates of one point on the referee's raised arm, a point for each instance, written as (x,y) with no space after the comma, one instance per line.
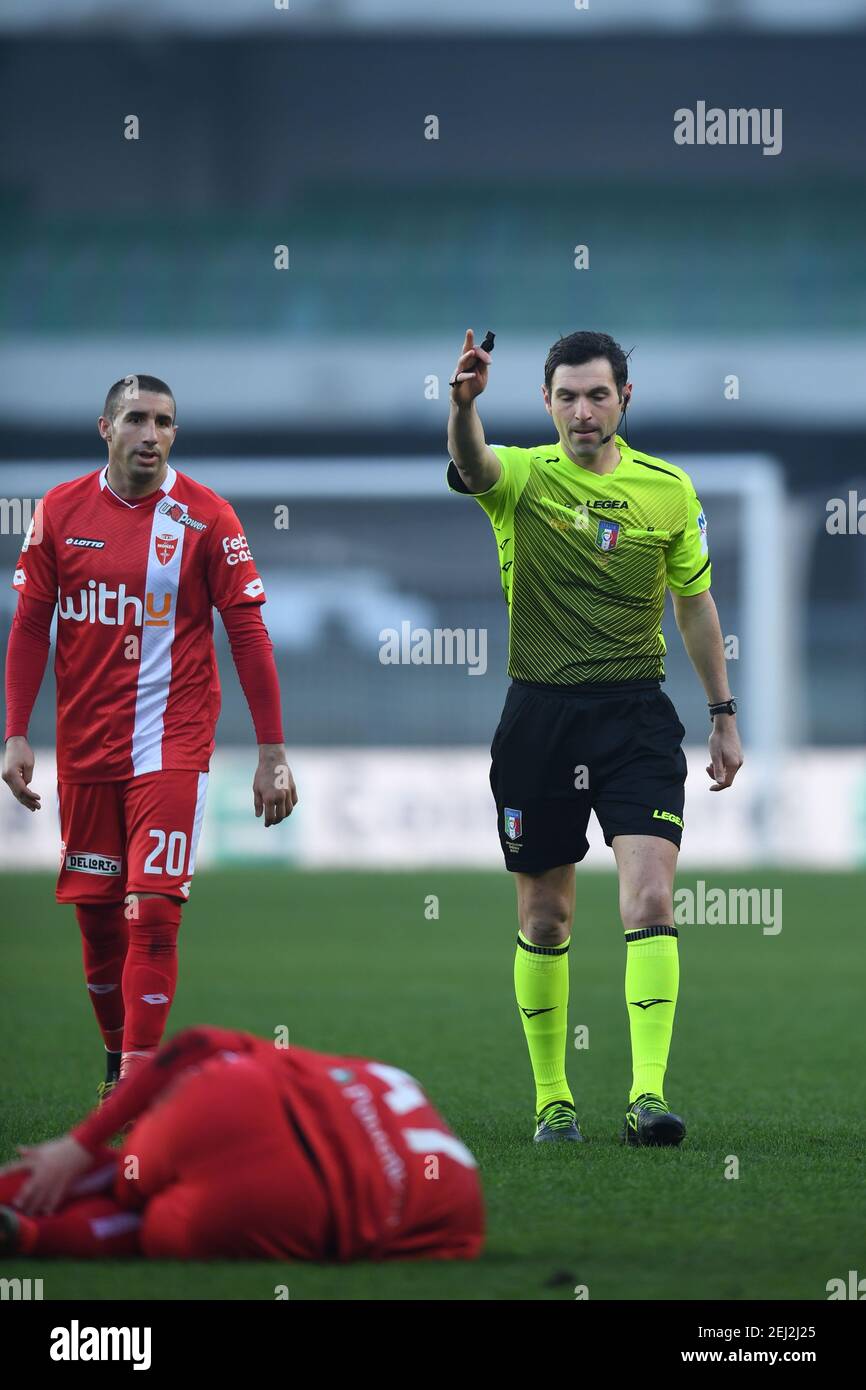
(474,460)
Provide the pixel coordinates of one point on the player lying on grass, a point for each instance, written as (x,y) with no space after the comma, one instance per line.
(135,558)
(241,1149)
(590,534)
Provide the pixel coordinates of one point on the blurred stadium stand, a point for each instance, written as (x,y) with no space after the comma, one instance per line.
(306,128)
(508,15)
(734,258)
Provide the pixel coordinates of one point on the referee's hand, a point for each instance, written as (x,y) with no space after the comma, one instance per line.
(726,754)
(470,376)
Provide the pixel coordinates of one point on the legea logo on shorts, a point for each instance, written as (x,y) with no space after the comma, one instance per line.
(110,607)
(84,862)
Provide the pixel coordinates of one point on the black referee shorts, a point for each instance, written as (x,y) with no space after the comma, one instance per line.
(561,752)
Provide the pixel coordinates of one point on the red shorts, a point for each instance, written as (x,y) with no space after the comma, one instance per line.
(138,836)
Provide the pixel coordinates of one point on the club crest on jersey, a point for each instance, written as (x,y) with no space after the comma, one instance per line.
(607,535)
(513,823)
(165,546)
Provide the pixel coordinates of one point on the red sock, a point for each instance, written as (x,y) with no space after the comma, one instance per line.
(149,978)
(104,938)
(85,1227)
(91,1221)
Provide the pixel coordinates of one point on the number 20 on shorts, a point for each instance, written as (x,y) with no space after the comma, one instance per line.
(175,847)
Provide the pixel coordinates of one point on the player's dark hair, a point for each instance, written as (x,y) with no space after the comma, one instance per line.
(128,389)
(577,348)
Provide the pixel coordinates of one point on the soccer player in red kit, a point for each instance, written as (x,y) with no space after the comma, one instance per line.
(242,1149)
(134,558)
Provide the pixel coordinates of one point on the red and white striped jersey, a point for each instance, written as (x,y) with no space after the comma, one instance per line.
(135,585)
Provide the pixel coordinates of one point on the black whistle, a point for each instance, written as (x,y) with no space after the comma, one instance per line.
(487,345)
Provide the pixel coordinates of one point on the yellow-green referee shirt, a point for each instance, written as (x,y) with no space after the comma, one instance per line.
(585,560)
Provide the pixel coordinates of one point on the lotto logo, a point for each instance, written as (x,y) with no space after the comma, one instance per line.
(236,550)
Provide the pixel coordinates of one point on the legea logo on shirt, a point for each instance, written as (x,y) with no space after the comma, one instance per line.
(112,607)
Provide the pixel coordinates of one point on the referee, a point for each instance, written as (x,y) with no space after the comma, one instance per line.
(590,534)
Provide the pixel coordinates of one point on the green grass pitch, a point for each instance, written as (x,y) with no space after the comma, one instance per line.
(765,1066)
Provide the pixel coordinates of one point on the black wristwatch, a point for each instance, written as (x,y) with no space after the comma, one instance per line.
(726,707)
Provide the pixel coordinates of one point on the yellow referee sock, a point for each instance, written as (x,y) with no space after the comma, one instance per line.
(541,986)
(652,977)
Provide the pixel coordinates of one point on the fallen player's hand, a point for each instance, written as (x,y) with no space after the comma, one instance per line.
(53,1168)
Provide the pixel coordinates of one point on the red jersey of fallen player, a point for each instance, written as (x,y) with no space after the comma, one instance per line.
(135,585)
(392,1168)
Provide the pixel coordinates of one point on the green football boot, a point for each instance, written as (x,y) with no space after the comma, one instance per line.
(104,1090)
(649,1121)
(557,1122)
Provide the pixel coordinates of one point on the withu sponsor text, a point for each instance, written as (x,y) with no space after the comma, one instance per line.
(100,604)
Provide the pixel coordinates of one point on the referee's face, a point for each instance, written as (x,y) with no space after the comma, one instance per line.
(584,405)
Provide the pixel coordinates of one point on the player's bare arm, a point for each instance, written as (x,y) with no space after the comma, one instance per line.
(698,622)
(18,763)
(474,460)
(274,793)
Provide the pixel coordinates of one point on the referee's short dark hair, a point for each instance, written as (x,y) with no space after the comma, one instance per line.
(577,348)
(129,388)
